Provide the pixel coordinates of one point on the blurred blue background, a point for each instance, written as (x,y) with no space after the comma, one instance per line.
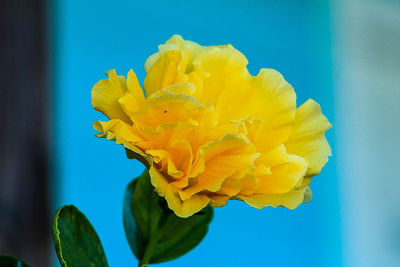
(301,39)
(94,36)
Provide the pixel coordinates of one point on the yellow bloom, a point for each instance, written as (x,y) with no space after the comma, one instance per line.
(210,132)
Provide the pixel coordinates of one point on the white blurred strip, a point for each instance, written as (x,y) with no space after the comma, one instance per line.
(367,79)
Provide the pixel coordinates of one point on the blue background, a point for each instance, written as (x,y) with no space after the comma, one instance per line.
(91,37)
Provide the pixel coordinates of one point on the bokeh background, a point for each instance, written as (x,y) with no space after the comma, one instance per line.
(343,54)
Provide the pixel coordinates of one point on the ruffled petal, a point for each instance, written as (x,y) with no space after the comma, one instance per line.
(135,89)
(222,159)
(218,200)
(290,200)
(175,161)
(308,137)
(188,207)
(190,51)
(129,104)
(275,105)
(107,92)
(230,187)
(116,130)
(221,69)
(164,72)
(168,108)
(249,184)
(284,177)
(122,134)
(159,181)
(227,85)
(186,88)
(237,95)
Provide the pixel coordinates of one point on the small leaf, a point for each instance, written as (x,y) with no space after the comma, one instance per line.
(145,206)
(9,261)
(155,234)
(132,232)
(77,243)
(180,235)
(140,221)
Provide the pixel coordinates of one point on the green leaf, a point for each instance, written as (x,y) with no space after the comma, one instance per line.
(133,235)
(9,261)
(180,235)
(141,214)
(77,243)
(155,234)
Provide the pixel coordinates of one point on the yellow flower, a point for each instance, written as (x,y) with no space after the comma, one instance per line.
(210,132)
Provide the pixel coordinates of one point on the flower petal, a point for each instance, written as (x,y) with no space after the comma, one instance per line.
(121,133)
(218,200)
(190,51)
(222,158)
(164,72)
(107,92)
(249,184)
(129,104)
(289,200)
(116,130)
(135,89)
(188,207)
(222,69)
(308,137)
(284,177)
(275,104)
(237,95)
(186,88)
(230,187)
(168,108)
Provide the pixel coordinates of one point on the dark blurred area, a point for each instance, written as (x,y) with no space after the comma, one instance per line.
(24,137)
